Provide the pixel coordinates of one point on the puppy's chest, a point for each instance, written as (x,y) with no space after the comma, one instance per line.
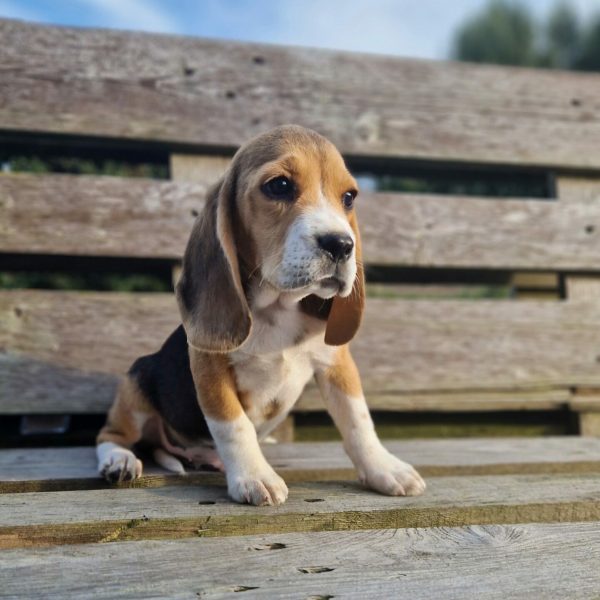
(275,364)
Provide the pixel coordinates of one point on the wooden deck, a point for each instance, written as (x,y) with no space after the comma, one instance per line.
(501,518)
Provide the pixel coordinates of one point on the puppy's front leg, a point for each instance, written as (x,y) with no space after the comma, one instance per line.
(250,478)
(377,468)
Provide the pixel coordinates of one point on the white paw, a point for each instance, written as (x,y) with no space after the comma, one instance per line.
(117,464)
(391,476)
(260,487)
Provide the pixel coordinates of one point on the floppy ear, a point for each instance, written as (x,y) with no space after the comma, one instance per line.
(346,313)
(211,298)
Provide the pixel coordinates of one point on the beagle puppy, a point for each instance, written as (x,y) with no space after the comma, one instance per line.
(271,292)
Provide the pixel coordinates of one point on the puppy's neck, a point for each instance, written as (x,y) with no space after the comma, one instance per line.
(265,297)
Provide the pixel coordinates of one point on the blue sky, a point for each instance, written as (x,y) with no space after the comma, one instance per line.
(419,28)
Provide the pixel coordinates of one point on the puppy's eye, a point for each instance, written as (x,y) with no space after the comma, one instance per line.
(348,199)
(279,188)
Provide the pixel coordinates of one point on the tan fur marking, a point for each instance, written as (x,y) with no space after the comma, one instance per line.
(245,400)
(215,386)
(121,426)
(271,410)
(343,373)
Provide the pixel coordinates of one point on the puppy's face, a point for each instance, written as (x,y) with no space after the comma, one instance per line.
(296,202)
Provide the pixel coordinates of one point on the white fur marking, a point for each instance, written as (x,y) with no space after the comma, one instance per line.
(117,463)
(168,461)
(303,262)
(250,478)
(377,468)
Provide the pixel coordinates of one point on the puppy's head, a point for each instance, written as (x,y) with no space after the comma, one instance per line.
(284,212)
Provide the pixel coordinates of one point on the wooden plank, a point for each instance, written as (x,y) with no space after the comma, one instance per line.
(467,400)
(578,189)
(104,216)
(39,519)
(450,231)
(62,350)
(532,285)
(181,90)
(583,289)
(589,424)
(202,169)
(110,216)
(480,562)
(60,469)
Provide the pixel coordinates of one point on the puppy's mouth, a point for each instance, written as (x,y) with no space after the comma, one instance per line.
(331,283)
(324,287)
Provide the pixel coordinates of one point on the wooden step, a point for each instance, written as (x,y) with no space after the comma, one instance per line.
(475,562)
(108,515)
(60,469)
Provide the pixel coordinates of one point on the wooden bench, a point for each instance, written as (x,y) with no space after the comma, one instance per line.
(189,103)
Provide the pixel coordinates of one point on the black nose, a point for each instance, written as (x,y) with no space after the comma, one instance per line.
(339,247)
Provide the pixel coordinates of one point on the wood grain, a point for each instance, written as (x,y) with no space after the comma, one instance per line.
(180,90)
(61,351)
(489,562)
(571,188)
(97,216)
(197,168)
(53,518)
(61,469)
(466,400)
(110,216)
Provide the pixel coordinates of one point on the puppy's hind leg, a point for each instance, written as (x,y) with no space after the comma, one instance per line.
(126,419)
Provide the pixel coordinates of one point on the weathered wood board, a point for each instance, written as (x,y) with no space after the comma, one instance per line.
(45,469)
(482,562)
(180,90)
(97,215)
(49,518)
(111,216)
(467,400)
(63,349)
(200,92)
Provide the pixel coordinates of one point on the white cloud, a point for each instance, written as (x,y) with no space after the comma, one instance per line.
(140,15)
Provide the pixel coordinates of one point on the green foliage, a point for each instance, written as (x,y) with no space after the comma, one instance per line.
(503,34)
(81,166)
(563,36)
(506,33)
(139,282)
(588,58)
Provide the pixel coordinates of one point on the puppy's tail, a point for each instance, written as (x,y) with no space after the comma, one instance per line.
(168,461)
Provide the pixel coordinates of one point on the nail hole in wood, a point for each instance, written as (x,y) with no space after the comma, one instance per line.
(194,212)
(275,546)
(315,569)
(575,102)
(188,71)
(230,94)
(244,588)
(590,229)
(18,311)
(258,60)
